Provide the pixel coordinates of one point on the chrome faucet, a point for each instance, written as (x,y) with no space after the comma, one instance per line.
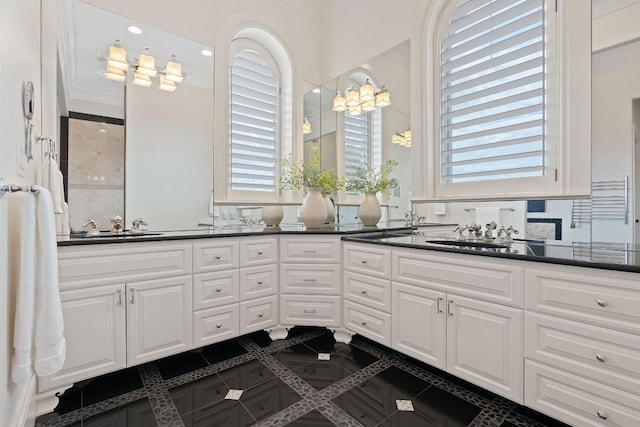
(136,224)
(92,227)
(488,234)
(507,231)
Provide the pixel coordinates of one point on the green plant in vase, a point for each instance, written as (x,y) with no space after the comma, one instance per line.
(371,181)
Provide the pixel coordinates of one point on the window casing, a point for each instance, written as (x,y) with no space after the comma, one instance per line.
(496,100)
(254,119)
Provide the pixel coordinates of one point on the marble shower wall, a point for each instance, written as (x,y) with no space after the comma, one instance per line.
(96,172)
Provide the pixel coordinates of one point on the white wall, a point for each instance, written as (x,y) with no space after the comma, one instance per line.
(169,156)
(20,53)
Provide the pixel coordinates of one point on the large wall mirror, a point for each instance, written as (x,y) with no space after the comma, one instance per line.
(163,158)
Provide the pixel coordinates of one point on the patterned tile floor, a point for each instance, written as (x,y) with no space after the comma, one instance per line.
(285,383)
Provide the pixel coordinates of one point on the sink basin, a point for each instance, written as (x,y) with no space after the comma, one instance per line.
(467,245)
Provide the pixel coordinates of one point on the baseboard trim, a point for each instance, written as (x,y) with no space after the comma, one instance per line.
(23,414)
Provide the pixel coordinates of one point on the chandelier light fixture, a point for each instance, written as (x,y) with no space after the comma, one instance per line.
(366,99)
(402,138)
(306,126)
(144,69)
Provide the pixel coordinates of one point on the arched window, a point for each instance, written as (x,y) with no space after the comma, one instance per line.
(254,119)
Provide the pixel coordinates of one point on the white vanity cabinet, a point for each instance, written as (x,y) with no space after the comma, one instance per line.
(97,284)
(582,344)
(367,291)
(462,314)
(310,281)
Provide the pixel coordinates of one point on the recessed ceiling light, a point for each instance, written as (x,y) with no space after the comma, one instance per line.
(133,29)
(206,52)
(316,90)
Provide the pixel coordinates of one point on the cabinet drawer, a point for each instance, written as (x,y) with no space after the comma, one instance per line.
(259,281)
(605,355)
(368,260)
(578,401)
(258,314)
(583,294)
(215,255)
(370,291)
(310,310)
(82,266)
(368,322)
(215,289)
(468,275)
(310,249)
(310,279)
(215,324)
(258,252)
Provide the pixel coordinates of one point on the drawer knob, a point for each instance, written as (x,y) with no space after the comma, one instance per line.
(218,326)
(218,289)
(601,357)
(364,261)
(308,311)
(260,252)
(364,291)
(602,302)
(602,414)
(364,322)
(308,280)
(260,282)
(218,256)
(260,315)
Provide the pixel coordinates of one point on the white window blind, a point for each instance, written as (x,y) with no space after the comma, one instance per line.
(253,138)
(493,91)
(356,142)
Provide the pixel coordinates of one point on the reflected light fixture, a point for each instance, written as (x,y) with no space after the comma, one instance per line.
(147,64)
(365,99)
(173,71)
(306,126)
(166,84)
(402,138)
(114,74)
(117,57)
(140,79)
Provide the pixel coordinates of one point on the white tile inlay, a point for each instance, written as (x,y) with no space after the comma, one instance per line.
(234,394)
(404,405)
(324,356)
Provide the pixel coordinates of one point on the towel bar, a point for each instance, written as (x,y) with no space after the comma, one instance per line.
(12,188)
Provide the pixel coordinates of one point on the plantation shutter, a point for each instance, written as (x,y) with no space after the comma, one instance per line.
(356,142)
(493,91)
(253,141)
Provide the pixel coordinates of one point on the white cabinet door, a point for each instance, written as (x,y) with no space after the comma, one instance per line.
(159,318)
(419,323)
(94,328)
(485,345)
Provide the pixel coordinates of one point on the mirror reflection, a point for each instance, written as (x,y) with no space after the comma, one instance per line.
(164,170)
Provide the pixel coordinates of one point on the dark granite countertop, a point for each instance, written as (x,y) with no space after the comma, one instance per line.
(602,255)
(151,236)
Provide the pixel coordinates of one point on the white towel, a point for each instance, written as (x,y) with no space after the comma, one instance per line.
(484,216)
(56,186)
(39,344)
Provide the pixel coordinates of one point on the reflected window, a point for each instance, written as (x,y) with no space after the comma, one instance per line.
(254,129)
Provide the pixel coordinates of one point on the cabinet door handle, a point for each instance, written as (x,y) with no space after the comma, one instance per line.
(308,280)
(602,414)
(601,358)
(119,296)
(133,296)
(309,251)
(438,308)
(602,302)
(449,312)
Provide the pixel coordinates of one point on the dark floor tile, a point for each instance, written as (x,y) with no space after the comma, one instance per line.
(322,373)
(470,387)
(173,366)
(198,394)
(138,413)
(367,341)
(403,381)
(300,330)
(261,338)
(507,424)
(268,398)
(435,401)
(325,344)
(222,351)
(312,419)
(246,375)
(69,401)
(353,359)
(223,413)
(295,356)
(110,385)
(420,419)
(523,411)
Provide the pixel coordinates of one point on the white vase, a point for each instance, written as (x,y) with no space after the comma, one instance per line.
(370,211)
(314,209)
(272,215)
(331,210)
